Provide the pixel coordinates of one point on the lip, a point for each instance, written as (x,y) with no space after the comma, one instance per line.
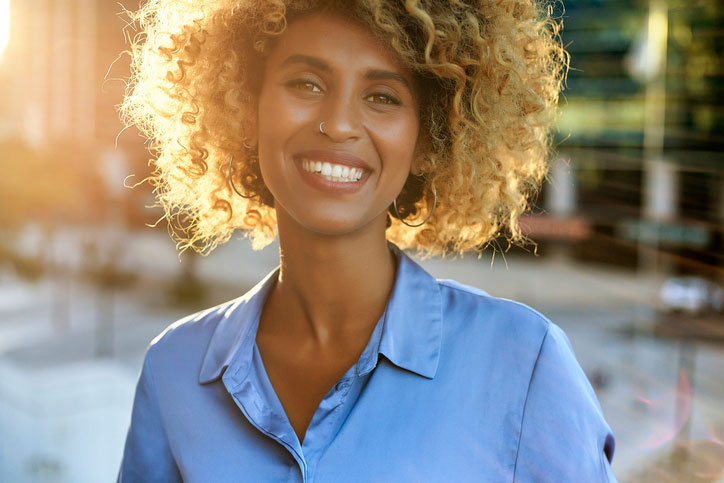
(336,187)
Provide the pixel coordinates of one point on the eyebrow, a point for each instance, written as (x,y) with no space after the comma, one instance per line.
(372,74)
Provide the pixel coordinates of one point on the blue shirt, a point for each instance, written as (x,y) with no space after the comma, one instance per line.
(453,385)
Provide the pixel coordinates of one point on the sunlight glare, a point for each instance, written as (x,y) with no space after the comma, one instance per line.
(4,25)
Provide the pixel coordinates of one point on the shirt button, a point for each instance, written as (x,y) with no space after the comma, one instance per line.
(342,385)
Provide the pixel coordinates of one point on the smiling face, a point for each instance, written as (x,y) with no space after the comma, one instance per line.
(327,69)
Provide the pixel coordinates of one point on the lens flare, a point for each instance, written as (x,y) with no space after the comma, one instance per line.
(680,398)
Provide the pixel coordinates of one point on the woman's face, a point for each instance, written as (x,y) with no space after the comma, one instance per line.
(325,68)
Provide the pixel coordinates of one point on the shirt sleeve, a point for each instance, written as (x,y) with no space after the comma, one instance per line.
(564,436)
(147,456)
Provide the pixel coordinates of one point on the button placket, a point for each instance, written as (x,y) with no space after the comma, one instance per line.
(245,386)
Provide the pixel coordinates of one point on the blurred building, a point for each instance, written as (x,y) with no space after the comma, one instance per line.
(53,54)
(639,178)
(64,73)
(641,137)
(59,68)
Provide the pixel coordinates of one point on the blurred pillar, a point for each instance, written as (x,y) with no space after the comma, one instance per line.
(721,199)
(114,166)
(560,202)
(33,87)
(561,194)
(61,67)
(660,178)
(85,85)
(721,221)
(661,188)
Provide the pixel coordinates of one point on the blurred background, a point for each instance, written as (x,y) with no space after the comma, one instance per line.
(629,229)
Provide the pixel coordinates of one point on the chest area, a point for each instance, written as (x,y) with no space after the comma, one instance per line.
(386,429)
(302,378)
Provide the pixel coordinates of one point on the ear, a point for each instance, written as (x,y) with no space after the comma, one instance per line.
(415,167)
(251,133)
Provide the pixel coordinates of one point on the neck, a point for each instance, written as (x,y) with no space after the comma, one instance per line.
(330,288)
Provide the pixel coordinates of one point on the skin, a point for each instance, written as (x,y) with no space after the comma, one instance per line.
(337,272)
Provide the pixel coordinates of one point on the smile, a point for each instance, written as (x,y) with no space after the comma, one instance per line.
(332,172)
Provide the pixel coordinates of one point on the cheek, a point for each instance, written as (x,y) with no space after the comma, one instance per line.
(279,120)
(397,141)
(275,126)
(272,118)
(271,132)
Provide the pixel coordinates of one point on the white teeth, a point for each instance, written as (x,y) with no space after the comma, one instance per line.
(332,172)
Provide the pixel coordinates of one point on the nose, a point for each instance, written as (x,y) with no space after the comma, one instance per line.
(342,118)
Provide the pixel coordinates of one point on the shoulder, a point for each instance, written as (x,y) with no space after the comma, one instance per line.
(192,325)
(475,297)
(564,435)
(530,350)
(492,340)
(508,330)
(503,325)
(475,312)
(186,339)
(531,361)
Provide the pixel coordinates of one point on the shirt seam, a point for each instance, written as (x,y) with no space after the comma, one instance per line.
(525,404)
(124,476)
(157,403)
(489,296)
(528,309)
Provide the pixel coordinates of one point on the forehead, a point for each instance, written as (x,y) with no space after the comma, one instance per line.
(339,40)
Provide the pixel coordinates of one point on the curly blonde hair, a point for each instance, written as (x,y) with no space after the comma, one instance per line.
(489,71)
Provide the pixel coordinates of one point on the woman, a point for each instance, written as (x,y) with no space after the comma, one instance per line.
(351,130)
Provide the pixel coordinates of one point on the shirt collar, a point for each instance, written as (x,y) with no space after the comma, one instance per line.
(409,333)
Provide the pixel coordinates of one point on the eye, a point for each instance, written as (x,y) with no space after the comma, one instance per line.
(303,85)
(383,98)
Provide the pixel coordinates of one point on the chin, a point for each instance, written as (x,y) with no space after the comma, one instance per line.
(333,227)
